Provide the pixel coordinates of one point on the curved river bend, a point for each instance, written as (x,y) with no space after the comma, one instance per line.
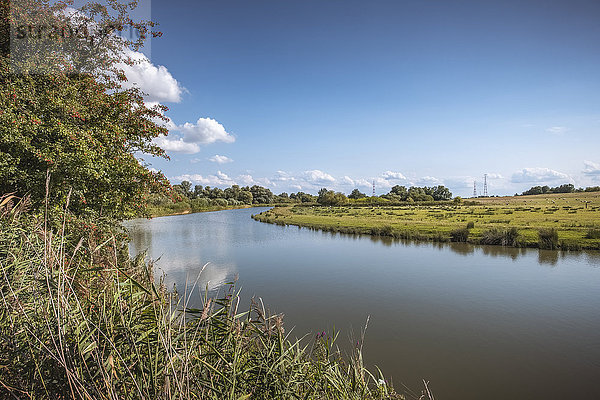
(477,322)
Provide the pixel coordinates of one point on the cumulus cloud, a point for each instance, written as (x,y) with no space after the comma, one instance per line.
(220,159)
(282,176)
(538,175)
(219,178)
(428,181)
(204,131)
(591,169)
(393,175)
(557,130)
(318,177)
(177,145)
(223,180)
(156,82)
(346,180)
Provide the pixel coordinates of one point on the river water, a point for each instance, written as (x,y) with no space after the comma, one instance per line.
(478,322)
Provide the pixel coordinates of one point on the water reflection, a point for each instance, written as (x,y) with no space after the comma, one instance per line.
(548,257)
(458,314)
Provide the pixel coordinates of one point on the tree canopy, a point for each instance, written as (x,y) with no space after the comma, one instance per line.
(77,124)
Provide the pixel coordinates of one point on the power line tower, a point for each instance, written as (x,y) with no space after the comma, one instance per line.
(474,188)
(485,193)
(373,188)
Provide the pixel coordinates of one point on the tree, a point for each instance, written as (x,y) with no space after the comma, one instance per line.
(357,194)
(245,197)
(331,198)
(399,191)
(187,188)
(441,193)
(78,125)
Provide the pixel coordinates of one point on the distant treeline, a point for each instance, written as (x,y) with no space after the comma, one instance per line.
(566,188)
(198,198)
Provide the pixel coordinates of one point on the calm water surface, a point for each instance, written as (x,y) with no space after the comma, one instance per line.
(477,322)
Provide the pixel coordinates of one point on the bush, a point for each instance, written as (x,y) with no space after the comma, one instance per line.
(593,233)
(548,238)
(470,225)
(459,235)
(501,237)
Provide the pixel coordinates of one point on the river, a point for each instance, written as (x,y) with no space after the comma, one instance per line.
(478,322)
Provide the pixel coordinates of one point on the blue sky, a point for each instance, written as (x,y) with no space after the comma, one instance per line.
(298,95)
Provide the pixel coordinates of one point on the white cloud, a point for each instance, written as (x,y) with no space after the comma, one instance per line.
(538,175)
(282,176)
(205,131)
(318,177)
(346,180)
(494,176)
(393,175)
(592,169)
(218,179)
(220,159)
(557,130)
(223,180)
(428,181)
(156,82)
(177,145)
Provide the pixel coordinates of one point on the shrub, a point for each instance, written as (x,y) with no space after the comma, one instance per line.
(459,235)
(548,238)
(470,225)
(502,237)
(593,233)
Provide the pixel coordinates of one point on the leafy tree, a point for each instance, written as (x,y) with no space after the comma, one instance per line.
(357,194)
(331,198)
(261,195)
(82,129)
(245,197)
(198,191)
(399,191)
(441,193)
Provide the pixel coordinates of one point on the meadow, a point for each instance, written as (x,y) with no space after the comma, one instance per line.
(561,221)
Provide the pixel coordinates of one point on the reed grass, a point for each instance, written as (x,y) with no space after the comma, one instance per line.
(83,320)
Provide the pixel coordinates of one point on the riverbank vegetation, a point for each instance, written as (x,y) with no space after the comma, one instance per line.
(81,320)
(556,221)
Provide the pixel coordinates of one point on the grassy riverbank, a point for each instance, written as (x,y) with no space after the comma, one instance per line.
(566,221)
(80,319)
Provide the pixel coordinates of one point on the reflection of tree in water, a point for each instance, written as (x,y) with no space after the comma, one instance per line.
(385,240)
(463,249)
(141,240)
(548,257)
(495,251)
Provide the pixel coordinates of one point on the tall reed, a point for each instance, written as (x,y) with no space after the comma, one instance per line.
(82,320)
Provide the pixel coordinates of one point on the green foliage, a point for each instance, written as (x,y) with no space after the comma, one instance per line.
(593,233)
(470,225)
(502,237)
(548,238)
(460,234)
(331,198)
(82,129)
(356,194)
(566,188)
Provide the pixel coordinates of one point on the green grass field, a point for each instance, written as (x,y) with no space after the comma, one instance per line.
(574,216)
